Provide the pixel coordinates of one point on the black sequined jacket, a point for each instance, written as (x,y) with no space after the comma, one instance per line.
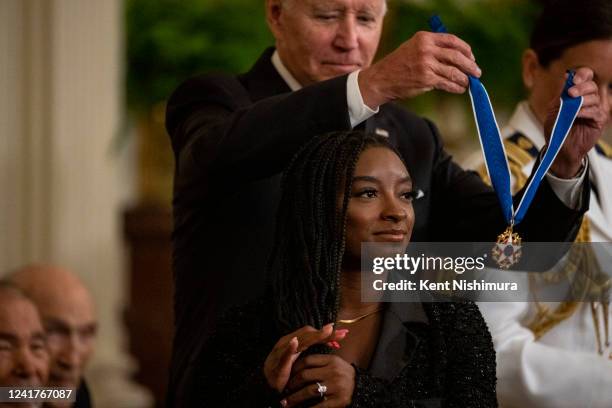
(428,355)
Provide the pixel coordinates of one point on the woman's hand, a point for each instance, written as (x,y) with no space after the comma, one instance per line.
(328,370)
(278,364)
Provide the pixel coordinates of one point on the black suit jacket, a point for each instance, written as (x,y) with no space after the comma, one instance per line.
(83,398)
(429,355)
(233,135)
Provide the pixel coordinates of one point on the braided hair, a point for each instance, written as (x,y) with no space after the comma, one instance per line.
(306,260)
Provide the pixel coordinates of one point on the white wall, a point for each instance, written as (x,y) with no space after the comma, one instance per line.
(62,188)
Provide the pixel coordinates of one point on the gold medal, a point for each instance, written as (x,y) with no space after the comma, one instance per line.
(507,251)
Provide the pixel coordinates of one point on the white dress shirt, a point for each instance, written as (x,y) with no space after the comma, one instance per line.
(358,110)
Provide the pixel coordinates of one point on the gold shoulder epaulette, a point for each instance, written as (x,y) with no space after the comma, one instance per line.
(604,149)
(520,152)
(520,149)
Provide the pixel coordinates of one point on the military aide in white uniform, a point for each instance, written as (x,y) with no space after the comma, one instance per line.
(555,355)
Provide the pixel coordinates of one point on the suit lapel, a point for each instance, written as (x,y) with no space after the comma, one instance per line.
(263,80)
(376,125)
(381,124)
(397,343)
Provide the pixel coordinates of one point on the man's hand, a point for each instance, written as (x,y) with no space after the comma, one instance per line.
(426,61)
(587,128)
(329,370)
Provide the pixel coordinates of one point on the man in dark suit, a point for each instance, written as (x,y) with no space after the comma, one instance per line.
(233,135)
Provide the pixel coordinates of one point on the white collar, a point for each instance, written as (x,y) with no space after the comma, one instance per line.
(523,120)
(294,85)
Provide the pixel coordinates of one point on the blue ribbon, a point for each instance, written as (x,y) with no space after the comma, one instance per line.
(493,146)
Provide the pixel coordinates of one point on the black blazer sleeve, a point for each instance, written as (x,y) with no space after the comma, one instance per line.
(373,392)
(219,136)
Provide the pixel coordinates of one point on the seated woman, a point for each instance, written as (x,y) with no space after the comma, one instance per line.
(311,341)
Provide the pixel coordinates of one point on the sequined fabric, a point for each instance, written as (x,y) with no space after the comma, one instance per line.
(454,365)
(454,368)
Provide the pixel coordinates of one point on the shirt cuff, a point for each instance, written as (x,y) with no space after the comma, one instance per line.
(569,191)
(358,110)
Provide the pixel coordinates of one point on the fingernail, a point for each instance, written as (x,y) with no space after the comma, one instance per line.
(283,403)
(333,344)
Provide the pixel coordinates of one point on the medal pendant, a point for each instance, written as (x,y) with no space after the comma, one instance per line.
(507,251)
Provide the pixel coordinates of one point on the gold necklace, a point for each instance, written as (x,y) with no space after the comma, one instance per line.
(355,320)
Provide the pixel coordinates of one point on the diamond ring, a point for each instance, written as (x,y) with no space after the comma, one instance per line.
(321,389)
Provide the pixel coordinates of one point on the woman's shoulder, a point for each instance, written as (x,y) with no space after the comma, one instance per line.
(468,354)
(442,308)
(253,319)
(228,370)
(459,315)
(240,338)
